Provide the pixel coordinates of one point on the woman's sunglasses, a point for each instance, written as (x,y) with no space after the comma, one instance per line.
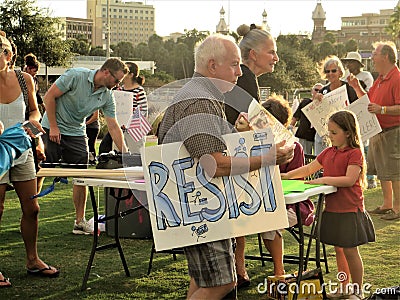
(330,71)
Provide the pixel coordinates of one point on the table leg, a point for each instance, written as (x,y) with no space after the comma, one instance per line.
(95,238)
(116,231)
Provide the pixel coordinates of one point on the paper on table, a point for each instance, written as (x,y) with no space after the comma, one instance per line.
(260,118)
(296,186)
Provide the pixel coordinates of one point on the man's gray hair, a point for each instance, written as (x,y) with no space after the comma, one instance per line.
(213,47)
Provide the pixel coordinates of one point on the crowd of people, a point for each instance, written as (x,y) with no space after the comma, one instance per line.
(215,102)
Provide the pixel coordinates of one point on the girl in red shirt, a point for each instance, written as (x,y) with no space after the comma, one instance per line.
(345,223)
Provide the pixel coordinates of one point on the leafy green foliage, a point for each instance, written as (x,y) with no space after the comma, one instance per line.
(32,30)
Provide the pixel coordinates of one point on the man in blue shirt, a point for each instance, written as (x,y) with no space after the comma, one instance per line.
(75,95)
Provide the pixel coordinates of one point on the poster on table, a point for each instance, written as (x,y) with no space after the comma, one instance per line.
(369,125)
(260,119)
(318,112)
(188,208)
(123,107)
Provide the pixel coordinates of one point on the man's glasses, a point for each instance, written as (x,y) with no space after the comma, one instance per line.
(330,71)
(116,80)
(317,90)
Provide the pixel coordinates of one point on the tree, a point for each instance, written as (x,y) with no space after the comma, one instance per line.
(123,50)
(97,51)
(33,30)
(393,27)
(80,45)
(330,37)
(351,45)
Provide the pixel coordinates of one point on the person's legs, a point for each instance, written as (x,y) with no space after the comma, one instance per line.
(396,195)
(343,270)
(29,224)
(387,192)
(217,292)
(239,257)
(75,152)
(275,248)
(79,195)
(211,269)
(356,268)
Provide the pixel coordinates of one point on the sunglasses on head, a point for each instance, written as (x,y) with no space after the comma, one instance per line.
(330,71)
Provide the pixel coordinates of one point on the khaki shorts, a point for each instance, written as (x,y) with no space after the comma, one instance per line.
(384,155)
(22,172)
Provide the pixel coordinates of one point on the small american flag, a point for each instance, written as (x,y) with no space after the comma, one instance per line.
(138,125)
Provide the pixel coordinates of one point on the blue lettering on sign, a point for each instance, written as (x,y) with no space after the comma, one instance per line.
(164,210)
(166,214)
(267,188)
(184,188)
(211,215)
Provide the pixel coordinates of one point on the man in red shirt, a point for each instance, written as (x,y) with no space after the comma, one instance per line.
(384,152)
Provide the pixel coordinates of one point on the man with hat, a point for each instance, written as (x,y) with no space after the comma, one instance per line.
(353,63)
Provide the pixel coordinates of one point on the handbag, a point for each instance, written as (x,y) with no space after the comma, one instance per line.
(115,160)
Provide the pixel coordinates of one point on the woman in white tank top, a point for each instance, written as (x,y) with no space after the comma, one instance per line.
(22,174)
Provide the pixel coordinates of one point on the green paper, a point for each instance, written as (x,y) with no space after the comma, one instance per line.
(296,186)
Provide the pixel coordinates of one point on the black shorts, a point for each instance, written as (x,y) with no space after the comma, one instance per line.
(72,152)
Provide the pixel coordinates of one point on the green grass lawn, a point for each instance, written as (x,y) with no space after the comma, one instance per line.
(168,280)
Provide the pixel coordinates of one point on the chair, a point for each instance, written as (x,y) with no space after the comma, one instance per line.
(263,256)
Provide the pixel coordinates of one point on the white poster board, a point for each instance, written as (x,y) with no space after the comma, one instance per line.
(187,208)
(318,112)
(123,107)
(260,118)
(369,125)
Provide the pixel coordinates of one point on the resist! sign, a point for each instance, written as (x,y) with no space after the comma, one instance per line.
(187,208)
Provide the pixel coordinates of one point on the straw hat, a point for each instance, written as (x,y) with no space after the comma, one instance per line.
(353,56)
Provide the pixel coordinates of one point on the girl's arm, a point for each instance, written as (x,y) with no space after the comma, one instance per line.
(304,171)
(352,175)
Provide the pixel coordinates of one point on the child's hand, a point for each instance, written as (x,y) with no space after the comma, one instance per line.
(1,127)
(284,176)
(315,181)
(242,123)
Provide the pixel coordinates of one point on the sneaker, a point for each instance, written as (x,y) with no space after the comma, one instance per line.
(391,215)
(83,227)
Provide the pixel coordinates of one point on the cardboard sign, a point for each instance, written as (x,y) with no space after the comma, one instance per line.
(369,125)
(123,106)
(260,119)
(318,112)
(188,208)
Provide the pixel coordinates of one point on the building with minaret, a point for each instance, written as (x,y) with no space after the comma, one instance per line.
(364,29)
(222,27)
(318,17)
(264,24)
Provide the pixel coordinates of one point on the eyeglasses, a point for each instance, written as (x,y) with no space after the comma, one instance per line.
(330,71)
(116,80)
(317,90)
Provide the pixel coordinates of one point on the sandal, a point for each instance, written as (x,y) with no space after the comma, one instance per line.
(5,280)
(42,272)
(379,211)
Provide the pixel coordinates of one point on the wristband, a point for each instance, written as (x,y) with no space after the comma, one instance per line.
(383,110)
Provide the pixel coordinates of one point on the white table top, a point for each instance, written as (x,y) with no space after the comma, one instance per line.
(139,184)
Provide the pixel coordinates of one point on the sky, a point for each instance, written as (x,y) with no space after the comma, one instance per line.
(283,16)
